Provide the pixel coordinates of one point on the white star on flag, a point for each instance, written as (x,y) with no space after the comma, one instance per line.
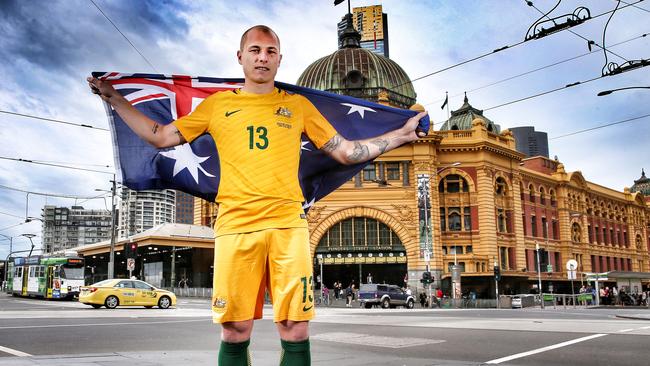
(303,144)
(309,204)
(186,159)
(359,109)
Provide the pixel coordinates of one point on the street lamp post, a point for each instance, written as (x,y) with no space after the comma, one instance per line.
(607,92)
(539,276)
(111,256)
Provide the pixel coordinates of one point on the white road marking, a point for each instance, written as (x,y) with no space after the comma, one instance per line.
(544,349)
(372,340)
(625,330)
(101,324)
(14,352)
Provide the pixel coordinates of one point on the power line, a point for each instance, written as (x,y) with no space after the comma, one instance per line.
(494,51)
(530,3)
(8,214)
(53,120)
(48,194)
(54,165)
(601,126)
(636,6)
(543,93)
(125,37)
(535,70)
(79,164)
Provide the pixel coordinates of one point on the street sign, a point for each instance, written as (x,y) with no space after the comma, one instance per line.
(571,265)
(130,264)
(427,255)
(571,275)
(549,268)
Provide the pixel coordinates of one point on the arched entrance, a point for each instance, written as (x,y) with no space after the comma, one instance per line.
(357,247)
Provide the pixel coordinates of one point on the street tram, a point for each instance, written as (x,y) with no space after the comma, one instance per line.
(47,277)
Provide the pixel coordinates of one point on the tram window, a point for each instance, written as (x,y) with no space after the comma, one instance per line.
(57,273)
(72,273)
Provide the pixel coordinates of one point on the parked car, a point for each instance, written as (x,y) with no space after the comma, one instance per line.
(516,302)
(388,296)
(124,292)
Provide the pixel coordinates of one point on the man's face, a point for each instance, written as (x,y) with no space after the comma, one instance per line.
(260,57)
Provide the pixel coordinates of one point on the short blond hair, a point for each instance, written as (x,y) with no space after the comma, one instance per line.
(260,27)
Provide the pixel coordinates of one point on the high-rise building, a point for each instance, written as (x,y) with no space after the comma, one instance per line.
(372,23)
(142,210)
(184,208)
(65,227)
(530,142)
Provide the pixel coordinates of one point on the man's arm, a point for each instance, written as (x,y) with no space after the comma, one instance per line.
(357,151)
(154,133)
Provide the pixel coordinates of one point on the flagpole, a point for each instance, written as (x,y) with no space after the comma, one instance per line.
(447,97)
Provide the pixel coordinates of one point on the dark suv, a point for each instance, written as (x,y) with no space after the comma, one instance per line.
(388,296)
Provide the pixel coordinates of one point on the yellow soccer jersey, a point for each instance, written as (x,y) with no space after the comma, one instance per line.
(258,142)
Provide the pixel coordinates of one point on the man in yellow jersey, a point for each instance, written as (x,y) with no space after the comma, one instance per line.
(261,241)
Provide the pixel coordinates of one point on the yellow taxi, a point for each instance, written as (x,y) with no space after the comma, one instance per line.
(125,292)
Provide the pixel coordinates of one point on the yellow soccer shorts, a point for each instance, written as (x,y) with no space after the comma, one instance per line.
(247,264)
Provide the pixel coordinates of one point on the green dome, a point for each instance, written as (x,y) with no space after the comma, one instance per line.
(642,185)
(360,73)
(461,119)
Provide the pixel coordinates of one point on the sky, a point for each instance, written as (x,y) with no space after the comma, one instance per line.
(47,48)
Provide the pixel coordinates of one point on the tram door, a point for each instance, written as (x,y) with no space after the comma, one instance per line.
(49,279)
(25,279)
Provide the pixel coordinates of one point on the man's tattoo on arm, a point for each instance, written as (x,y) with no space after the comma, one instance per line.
(381,144)
(332,144)
(154,129)
(360,153)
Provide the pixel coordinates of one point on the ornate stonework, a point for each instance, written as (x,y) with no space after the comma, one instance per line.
(404,213)
(314,214)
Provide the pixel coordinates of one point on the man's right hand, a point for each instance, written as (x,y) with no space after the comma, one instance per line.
(102,88)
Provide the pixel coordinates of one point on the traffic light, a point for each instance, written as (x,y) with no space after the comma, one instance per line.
(131,250)
(497,273)
(426,278)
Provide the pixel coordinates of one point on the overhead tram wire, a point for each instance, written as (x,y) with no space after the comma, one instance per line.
(636,6)
(530,3)
(54,165)
(601,126)
(535,70)
(57,195)
(125,37)
(495,51)
(54,120)
(71,164)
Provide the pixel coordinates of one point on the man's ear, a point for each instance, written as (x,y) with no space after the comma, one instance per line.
(239,57)
(280,60)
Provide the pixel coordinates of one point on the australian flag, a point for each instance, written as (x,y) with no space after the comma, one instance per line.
(194,167)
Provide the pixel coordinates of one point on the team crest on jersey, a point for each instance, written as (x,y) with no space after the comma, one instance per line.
(219,303)
(284,112)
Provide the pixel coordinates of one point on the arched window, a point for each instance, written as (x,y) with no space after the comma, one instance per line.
(551,193)
(453,183)
(542,196)
(359,233)
(576,233)
(501,187)
(638,242)
(531,193)
(454,218)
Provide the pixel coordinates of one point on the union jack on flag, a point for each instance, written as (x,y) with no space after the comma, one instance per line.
(194,167)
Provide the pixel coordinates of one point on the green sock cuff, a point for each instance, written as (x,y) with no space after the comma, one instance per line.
(295,347)
(235,347)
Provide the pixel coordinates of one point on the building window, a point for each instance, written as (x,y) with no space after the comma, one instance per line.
(531,193)
(357,233)
(576,235)
(544,228)
(454,219)
(542,196)
(453,183)
(369,172)
(443,219)
(503,258)
(533,226)
(500,187)
(467,219)
(392,171)
(605,236)
(555,225)
(523,220)
(501,220)
(468,249)
(456,249)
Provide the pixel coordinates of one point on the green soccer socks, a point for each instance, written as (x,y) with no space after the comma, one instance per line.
(295,353)
(235,354)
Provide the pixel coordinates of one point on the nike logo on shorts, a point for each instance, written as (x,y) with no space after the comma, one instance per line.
(228,114)
(304,308)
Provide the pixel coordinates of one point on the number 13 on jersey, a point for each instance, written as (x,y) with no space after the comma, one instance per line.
(257,137)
